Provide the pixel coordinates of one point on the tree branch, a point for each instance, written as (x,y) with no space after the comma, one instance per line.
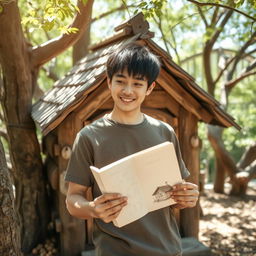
(223,6)
(159,23)
(103,15)
(223,70)
(45,52)
(240,54)
(50,73)
(222,25)
(248,157)
(215,17)
(233,82)
(203,17)
(251,169)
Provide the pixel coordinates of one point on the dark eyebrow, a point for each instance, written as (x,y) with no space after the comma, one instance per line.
(120,75)
(139,78)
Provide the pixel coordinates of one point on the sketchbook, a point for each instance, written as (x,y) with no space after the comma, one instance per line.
(143,177)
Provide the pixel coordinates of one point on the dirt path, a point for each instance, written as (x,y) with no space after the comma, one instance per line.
(228,225)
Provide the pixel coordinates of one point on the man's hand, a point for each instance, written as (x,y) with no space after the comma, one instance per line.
(107,206)
(185,194)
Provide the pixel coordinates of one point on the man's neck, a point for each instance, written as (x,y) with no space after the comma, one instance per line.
(127,118)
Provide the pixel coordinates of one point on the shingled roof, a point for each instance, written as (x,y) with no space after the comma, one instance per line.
(89,73)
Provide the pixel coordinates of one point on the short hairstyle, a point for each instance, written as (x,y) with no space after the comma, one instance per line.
(138,60)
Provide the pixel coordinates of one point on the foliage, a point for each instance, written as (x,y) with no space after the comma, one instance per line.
(150,8)
(49,14)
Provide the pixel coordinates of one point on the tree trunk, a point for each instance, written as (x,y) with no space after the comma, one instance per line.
(24,146)
(80,48)
(239,178)
(9,225)
(219,180)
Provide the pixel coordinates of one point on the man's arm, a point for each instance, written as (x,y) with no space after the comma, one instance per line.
(106,207)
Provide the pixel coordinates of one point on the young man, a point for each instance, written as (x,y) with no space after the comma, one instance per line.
(131,72)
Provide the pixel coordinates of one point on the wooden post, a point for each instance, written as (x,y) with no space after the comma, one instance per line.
(190,145)
(72,230)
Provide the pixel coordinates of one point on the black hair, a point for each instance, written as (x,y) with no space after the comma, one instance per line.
(138,60)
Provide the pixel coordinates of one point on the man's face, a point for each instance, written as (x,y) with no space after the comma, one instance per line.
(128,92)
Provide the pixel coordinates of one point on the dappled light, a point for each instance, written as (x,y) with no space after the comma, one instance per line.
(228,224)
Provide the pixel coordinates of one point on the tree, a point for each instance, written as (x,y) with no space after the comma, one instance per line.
(239,174)
(9,225)
(20,63)
(214,25)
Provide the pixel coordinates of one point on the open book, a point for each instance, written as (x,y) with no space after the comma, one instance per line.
(143,177)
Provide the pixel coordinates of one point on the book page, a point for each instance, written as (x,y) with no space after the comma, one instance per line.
(120,178)
(158,170)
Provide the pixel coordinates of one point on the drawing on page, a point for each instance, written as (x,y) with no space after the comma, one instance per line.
(160,192)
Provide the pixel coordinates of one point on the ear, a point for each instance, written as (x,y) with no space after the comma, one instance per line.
(109,82)
(150,88)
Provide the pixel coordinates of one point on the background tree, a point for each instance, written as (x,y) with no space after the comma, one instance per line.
(20,62)
(9,225)
(215,22)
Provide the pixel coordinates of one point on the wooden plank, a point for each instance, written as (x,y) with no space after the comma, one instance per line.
(177,70)
(159,114)
(137,23)
(94,101)
(189,218)
(201,93)
(225,118)
(182,96)
(52,124)
(72,235)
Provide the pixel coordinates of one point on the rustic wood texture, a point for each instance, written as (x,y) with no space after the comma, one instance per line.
(189,218)
(73,234)
(9,225)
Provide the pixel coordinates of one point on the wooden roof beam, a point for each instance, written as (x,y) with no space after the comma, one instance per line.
(183,97)
(136,23)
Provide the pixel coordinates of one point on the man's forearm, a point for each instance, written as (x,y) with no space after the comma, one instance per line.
(78,207)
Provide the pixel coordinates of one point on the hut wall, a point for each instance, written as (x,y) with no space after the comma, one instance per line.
(73,234)
(190,145)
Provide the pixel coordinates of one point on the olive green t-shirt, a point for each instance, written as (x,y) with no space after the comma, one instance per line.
(103,142)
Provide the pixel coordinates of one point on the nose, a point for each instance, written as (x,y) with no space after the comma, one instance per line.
(127,89)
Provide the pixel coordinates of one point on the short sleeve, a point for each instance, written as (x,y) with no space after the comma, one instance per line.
(78,169)
(184,171)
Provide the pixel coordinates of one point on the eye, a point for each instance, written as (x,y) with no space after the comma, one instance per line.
(119,81)
(138,84)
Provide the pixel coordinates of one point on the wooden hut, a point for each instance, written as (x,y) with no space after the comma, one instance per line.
(82,96)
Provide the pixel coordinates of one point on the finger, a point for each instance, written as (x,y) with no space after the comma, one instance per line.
(186,186)
(184,193)
(113,203)
(185,198)
(117,208)
(106,197)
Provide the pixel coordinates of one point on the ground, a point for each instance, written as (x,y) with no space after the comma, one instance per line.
(228,224)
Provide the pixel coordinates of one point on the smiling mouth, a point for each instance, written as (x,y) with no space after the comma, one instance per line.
(126,100)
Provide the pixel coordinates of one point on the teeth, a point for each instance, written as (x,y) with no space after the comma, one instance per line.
(127,100)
